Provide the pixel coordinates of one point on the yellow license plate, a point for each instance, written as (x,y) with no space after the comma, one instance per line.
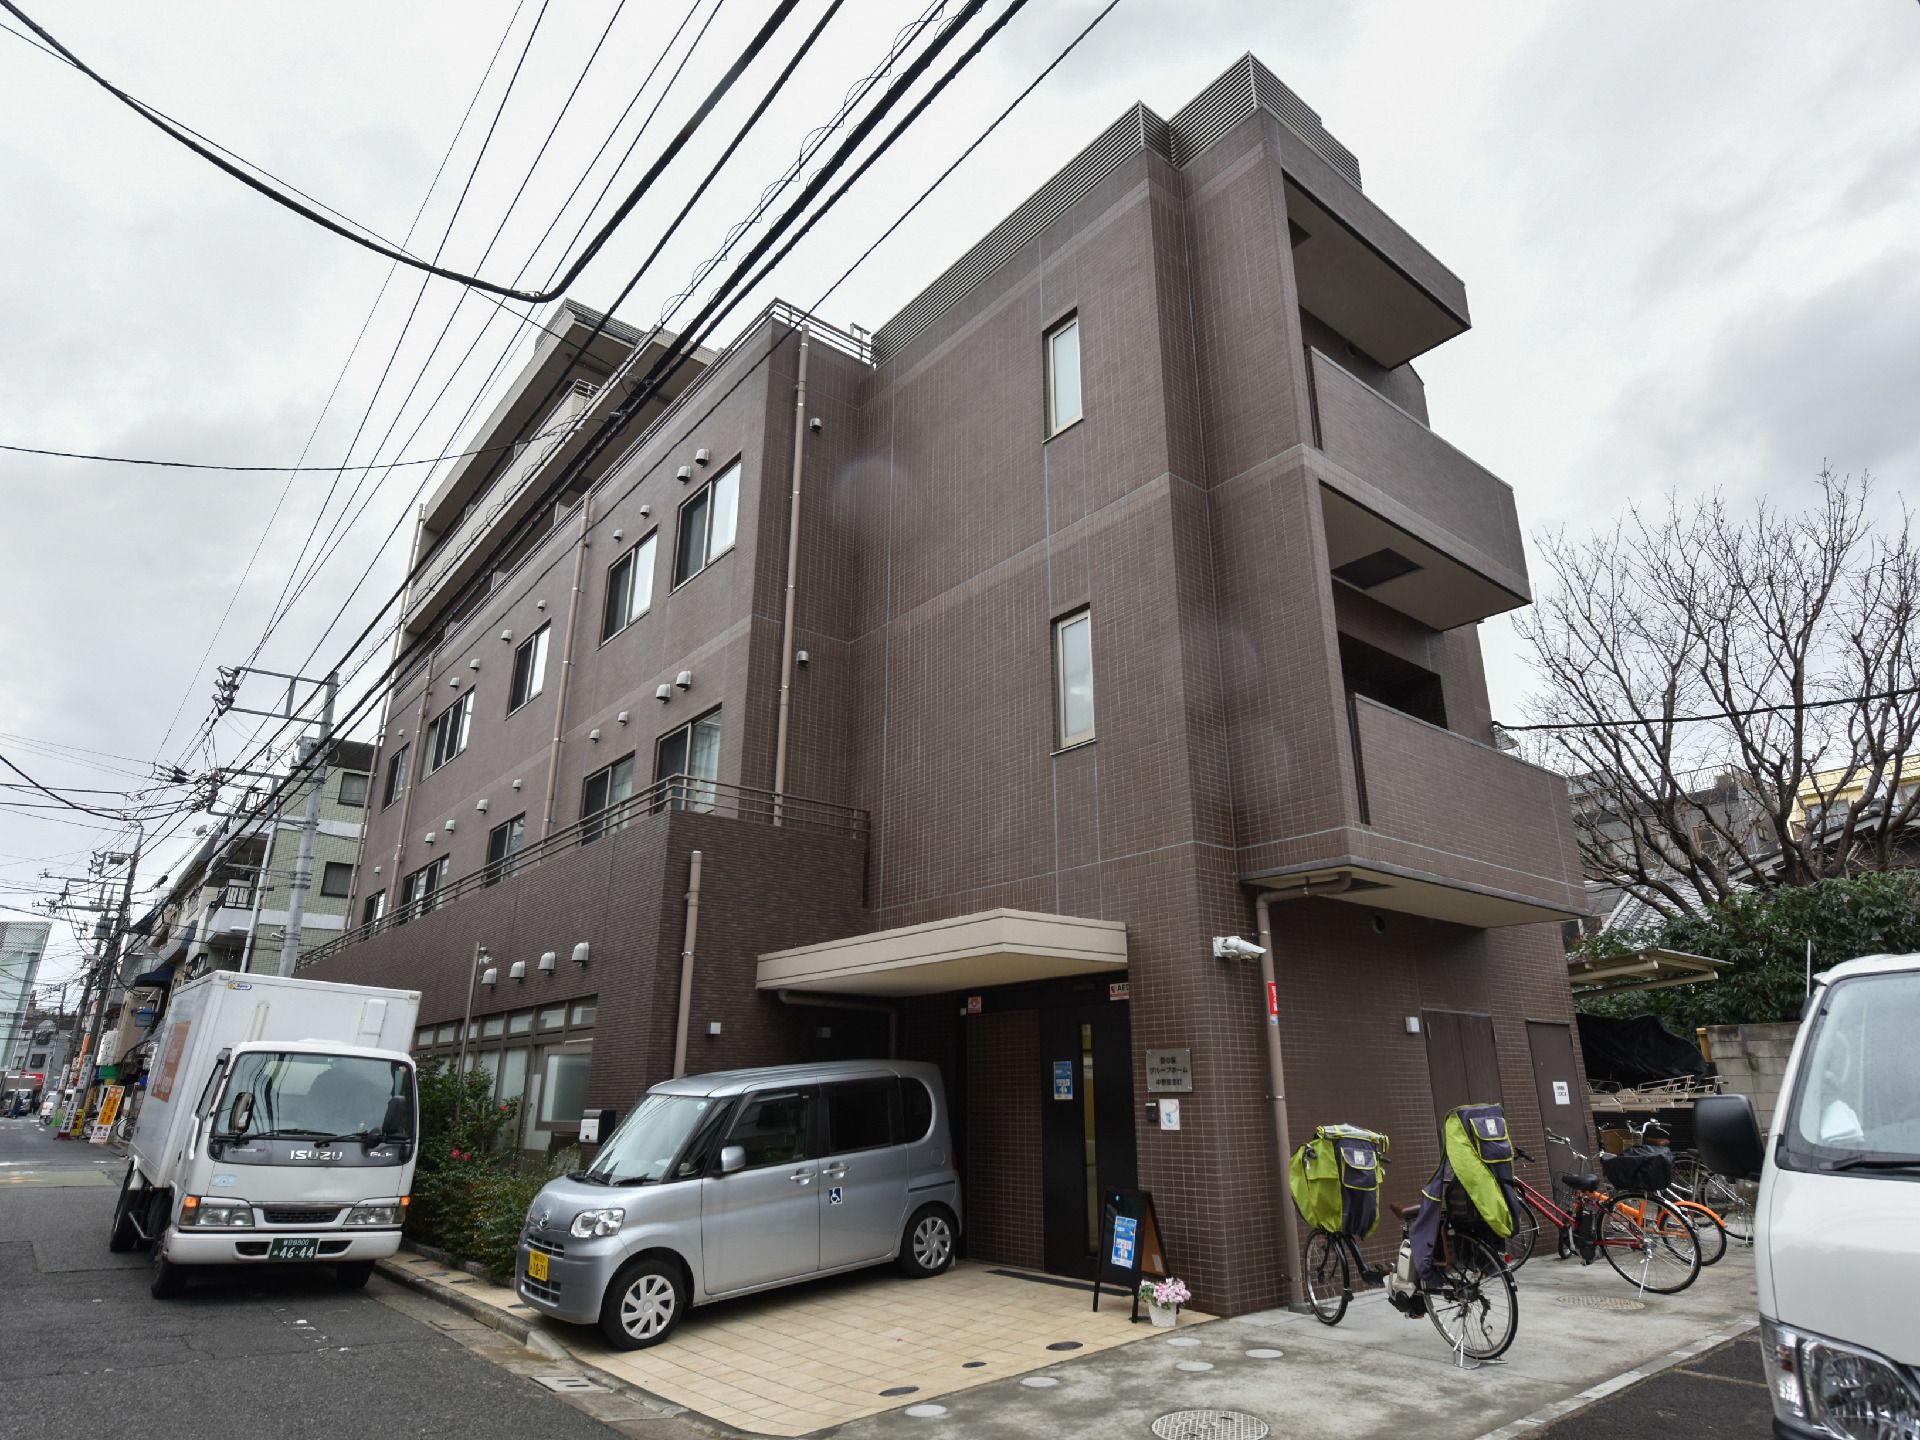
(537,1265)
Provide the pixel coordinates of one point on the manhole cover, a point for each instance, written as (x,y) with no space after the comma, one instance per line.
(1194,1367)
(926,1412)
(1211,1425)
(1600,1302)
(1064,1345)
(1183,1340)
(1039,1382)
(569,1384)
(900,1390)
(1264,1352)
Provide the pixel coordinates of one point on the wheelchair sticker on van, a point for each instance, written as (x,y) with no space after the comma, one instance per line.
(833,1196)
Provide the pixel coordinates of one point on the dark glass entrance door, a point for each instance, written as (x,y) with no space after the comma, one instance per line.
(1087,1138)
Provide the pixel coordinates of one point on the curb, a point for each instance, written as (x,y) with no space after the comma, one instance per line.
(490,1316)
(1560,1409)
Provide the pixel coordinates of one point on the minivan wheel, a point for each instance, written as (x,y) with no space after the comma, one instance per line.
(643,1304)
(926,1249)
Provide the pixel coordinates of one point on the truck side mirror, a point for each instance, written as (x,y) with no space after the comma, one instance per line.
(1728,1136)
(240,1116)
(394,1127)
(732,1158)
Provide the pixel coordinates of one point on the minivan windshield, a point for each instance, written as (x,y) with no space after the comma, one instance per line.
(316,1097)
(1856,1104)
(643,1148)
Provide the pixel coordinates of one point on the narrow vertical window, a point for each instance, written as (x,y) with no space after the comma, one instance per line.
(690,758)
(602,791)
(503,843)
(1063,374)
(629,588)
(397,774)
(1073,657)
(529,669)
(709,524)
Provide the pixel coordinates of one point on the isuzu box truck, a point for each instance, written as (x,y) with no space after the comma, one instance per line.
(279,1126)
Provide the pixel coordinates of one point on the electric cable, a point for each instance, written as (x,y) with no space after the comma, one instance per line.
(781,11)
(1629,721)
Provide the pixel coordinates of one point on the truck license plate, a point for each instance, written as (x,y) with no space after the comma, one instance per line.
(290,1249)
(537,1265)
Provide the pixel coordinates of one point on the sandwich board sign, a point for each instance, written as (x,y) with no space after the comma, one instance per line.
(1131,1249)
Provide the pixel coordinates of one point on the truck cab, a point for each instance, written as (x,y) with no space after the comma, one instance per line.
(1837,1222)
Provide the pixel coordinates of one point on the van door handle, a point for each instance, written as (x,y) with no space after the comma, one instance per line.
(801,1177)
(834,1172)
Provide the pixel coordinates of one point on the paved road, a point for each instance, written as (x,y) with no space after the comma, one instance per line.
(1721,1395)
(85,1352)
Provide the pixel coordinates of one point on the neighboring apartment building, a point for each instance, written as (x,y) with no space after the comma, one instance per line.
(22,943)
(1617,849)
(38,1056)
(1131,586)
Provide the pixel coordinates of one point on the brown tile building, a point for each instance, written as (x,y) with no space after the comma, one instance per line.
(1130,585)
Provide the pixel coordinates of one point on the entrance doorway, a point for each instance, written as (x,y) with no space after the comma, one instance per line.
(1087,1136)
(1556,1080)
(1462,1064)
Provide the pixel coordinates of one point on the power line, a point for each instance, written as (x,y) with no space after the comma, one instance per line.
(378,247)
(1657,720)
(56,795)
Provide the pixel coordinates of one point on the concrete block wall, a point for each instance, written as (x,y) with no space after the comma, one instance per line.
(1752,1059)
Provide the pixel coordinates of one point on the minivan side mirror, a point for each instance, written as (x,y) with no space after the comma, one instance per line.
(240,1116)
(1728,1136)
(732,1158)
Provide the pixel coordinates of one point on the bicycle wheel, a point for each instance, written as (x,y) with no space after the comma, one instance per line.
(1731,1200)
(1328,1286)
(1475,1307)
(1526,1233)
(1649,1243)
(1710,1229)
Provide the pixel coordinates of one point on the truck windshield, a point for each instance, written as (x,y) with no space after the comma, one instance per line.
(643,1149)
(1856,1104)
(297,1096)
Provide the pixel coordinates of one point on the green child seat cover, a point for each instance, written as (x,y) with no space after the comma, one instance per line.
(1336,1178)
(1479,1150)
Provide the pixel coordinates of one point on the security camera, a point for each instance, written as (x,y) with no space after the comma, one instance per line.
(814,425)
(1232,947)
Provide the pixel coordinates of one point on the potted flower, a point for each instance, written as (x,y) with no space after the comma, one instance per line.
(1164,1299)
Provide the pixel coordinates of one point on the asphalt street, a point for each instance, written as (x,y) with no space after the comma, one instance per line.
(86,1352)
(1721,1395)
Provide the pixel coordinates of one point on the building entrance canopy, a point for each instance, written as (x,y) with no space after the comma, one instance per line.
(969,952)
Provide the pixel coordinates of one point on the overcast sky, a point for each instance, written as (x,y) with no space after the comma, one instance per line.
(1687,235)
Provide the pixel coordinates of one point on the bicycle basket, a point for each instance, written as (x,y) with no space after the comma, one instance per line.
(1644,1168)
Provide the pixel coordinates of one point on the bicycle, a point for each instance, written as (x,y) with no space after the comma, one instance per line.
(1662,1257)
(1475,1307)
(1731,1200)
(1706,1221)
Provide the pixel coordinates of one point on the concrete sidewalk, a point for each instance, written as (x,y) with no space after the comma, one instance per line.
(1377,1373)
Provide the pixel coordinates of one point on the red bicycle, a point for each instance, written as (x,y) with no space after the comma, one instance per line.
(1649,1242)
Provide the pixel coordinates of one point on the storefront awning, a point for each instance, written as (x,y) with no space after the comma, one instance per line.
(1649,969)
(969,952)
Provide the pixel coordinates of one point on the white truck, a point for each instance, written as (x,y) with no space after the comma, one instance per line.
(280,1124)
(1837,1222)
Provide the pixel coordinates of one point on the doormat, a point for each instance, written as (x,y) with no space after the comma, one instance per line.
(1065,1284)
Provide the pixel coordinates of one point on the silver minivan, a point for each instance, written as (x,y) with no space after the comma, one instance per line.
(719,1185)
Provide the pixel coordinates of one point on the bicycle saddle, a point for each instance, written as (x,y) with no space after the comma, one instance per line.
(1581,1182)
(1405,1212)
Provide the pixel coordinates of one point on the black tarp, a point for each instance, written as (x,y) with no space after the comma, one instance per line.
(1636,1051)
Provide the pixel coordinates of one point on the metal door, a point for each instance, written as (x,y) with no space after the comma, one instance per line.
(863,1174)
(1087,1137)
(762,1224)
(1462,1064)
(1558,1082)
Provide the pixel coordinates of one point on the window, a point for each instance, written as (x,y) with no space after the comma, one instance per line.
(602,791)
(772,1129)
(396,775)
(447,736)
(629,588)
(1063,374)
(692,752)
(417,891)
(529,669)
(503,843)
(707,524)
(1073,657)
(336,881)
(375,907)
(353,788)
(563,1096)
(916,1110)
(860,1115)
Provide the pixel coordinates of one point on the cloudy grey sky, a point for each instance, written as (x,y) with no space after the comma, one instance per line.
(1686,233)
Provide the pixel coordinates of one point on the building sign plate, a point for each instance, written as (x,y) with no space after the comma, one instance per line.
(1169,1072)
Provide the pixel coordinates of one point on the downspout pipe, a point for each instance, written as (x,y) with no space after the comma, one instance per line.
(834,1002)
(1277,1075)
(688,937)
(418,737)
(793,577)
(566,664)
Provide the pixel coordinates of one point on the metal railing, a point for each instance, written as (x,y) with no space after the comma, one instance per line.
(676,792)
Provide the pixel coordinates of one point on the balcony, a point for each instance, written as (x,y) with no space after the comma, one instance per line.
(1449,829)
(1410,520)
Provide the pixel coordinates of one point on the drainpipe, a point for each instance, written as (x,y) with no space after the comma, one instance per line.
(793,572)
(1276,1071)
(406,795)
(686,967)
(566,664)
(871,1007)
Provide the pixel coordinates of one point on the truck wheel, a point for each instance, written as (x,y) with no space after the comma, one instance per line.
(644,1303)
(169,1280)
(926,1246)
(123,1237)
(353,1274)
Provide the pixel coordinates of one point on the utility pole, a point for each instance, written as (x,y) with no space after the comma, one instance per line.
(226,689)
(110,957)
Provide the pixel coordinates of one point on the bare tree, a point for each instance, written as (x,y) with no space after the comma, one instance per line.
(1794,632)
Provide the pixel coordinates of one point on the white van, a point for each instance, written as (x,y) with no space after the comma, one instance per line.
(1837,1224)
